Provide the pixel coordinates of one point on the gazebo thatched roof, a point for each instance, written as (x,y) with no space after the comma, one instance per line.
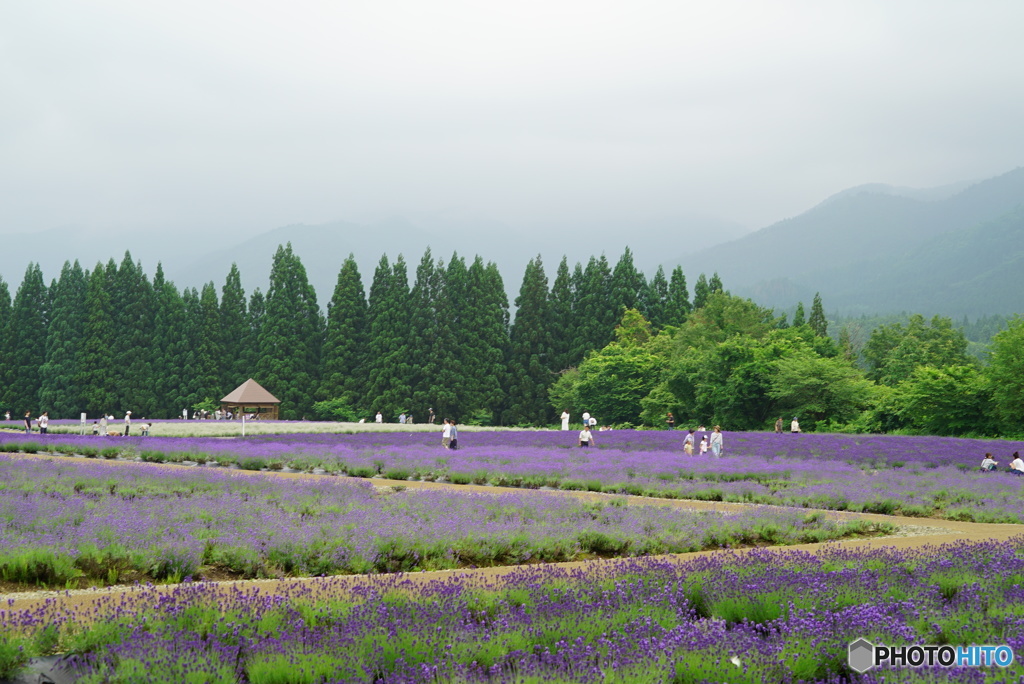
(250,393)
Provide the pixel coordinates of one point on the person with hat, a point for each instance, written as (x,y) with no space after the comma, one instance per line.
(127,422)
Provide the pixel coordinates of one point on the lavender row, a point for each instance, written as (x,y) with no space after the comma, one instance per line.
(918,476)
(65,520)
(779,616)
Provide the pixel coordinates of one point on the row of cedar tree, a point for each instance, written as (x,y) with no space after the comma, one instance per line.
(111,339)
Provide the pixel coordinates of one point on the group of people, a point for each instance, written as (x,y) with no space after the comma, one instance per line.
(450,434)
(1016,464)
(715,441)
(794,426)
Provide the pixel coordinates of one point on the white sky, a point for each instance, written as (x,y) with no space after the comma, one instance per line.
(202,113)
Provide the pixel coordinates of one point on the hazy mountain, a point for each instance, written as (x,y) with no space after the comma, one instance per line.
(875,249)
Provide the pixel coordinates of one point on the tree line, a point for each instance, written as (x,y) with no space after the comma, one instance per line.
(113,339)
(594,337)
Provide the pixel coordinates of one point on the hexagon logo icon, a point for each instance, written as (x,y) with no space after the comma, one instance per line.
(861,656)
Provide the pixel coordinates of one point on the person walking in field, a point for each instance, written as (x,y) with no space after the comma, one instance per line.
(446,434)
(103,424)
(586,437)
(565,420)
(778,426)
(703,445)
(127,422)
(28,422)
(716,442)
(794,427)
(44,423)
(688,443)
(455,434)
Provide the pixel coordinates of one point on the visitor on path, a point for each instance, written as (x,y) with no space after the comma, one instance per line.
(44,423)
(703,445)
(408,418)
(145,429)
(455,435)
(794,427)
(127,422)
(401,418)
(716,442)
(688,443)
(1017,465)
(28,422)
(988,464)
(103,424)
(95,428)
(565,420)
(586,418)
(430,415)
(7,415)
(778,426)
(671,420)
(586,437)
(379,418)
(446,434)
(184,414)
(593,422)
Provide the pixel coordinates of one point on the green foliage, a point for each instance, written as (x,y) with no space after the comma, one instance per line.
(819,388)
(893,351)
(1006,375)
(951,400)
(59,391)
(237,352)
(817,321)
(337,409)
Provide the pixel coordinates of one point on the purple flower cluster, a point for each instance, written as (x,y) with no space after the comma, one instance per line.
(921,476)
(761,616)
(62,518)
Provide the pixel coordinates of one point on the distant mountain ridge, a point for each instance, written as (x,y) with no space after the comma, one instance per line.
(878,251)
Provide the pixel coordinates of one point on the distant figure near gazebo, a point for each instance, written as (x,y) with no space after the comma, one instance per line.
(251,400)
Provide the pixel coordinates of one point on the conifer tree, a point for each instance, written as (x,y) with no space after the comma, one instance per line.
(627,285)
(387,364)
(432,350)
(817,321)
(131,298)
(656,307)
(596,315)
(715,284)
(701,292)
(5,348)
(483,337)
(59,390)
(677,306)
(343,362)
(530,349)
(563,322)
(799,317)
(291,335)
(206,345)
(26,340)
(236,356)
(171,344)
(98,374)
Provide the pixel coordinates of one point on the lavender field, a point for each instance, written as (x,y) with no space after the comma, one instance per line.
(916,476)
(764,616)
(65,523)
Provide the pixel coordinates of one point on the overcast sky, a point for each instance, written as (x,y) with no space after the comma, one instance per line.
(203,113)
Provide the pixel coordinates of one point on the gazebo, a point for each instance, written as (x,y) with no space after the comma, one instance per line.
(251,400)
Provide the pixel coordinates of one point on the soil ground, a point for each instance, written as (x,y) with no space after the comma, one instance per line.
(912,533)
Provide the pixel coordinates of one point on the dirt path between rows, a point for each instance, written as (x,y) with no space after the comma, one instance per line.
(912,533)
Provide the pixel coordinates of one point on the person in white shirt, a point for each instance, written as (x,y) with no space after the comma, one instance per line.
(585,436)
(44,423)
(794,427)
(379,418)
(1017,465)
(565,420)
(127,422)
(716,442)
(988,464)
(446,434)
(586,418)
